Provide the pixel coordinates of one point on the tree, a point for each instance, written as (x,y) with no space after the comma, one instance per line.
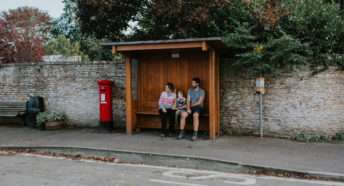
(27,28)
(263,35)
(178,19)
(68,25)
(107,18)
(288,33)
(62,46)
(190,18)
(7,47)
(341,3)
(321,26)
(160,19)
(258,56)
(91,47)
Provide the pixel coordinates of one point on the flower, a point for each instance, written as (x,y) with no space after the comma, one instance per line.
(258,49)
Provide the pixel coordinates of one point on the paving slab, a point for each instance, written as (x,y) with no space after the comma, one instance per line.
(324,158)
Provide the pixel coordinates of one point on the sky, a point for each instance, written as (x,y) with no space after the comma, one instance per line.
(53,7)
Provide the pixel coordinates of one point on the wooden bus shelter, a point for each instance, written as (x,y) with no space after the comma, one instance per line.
(151,64)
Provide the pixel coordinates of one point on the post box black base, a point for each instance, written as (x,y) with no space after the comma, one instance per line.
(106,125)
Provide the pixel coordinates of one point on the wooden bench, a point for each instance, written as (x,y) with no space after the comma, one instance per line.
(13,109)
(157,113)
(151,119)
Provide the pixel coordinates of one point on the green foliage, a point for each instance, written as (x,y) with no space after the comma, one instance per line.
(321,26)
(43,117)
(277,51)
(339,136)
(292,34)
(107,19)
(67,24)
(301,137)
(62,46)
(289,33)
(162,19)
(94,51)
(241,37)
(321,138)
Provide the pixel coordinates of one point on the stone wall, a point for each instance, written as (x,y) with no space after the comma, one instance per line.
(294,102)
(70,87)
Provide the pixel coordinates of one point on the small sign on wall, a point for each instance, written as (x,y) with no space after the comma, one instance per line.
(260,85)
(175,56)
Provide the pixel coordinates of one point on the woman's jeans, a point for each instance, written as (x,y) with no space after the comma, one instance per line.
(164,115)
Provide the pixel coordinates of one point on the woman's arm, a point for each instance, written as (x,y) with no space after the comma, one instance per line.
(160,100)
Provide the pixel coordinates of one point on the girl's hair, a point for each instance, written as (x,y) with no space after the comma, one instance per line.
(182,92)
(170,86)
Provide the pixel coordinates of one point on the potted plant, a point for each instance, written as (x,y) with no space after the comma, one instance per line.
(50,120)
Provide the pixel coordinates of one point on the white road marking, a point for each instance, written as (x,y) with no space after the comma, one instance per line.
(302,180)
(326,173)
(42,156)
(175,183)
(194,171)
(245,180)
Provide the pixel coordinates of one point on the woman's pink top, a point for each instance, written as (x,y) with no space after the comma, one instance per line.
(167,100)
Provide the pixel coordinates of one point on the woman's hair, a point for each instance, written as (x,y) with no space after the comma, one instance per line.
(170,86)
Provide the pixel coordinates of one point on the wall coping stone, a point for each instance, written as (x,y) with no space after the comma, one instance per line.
(58,63)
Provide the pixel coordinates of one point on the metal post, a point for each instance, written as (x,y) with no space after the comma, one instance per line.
(261,115)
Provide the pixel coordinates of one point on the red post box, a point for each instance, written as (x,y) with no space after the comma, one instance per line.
(105,104)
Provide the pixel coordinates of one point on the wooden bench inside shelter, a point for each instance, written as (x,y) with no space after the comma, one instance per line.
(143,115)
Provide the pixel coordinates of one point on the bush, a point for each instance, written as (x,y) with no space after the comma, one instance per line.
(321,138)
(43,117)
(301,137)
(62,46)
(339,136)
(293,33)
(321,25)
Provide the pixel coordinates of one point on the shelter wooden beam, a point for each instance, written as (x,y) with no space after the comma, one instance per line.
(212,95)
(205,46)
(114,49)
(159,46)
(129,106)
(217,65)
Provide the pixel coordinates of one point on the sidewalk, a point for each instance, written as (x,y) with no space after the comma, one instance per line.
(321,158)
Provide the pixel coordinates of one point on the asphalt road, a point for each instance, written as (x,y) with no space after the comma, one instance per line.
(33,169)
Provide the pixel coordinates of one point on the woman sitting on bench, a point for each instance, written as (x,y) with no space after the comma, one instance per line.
(166,102)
